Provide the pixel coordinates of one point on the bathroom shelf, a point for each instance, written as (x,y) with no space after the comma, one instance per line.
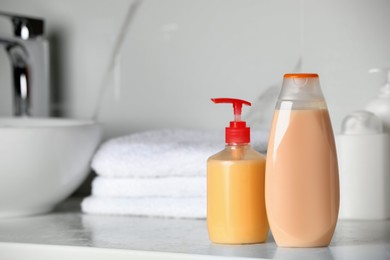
(68,233)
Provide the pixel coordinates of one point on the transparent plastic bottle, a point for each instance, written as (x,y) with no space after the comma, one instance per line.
(302,183)
(235,187)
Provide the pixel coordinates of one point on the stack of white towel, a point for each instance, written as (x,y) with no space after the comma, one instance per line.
(156,173)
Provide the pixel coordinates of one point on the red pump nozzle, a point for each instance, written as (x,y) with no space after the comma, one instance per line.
(237,132)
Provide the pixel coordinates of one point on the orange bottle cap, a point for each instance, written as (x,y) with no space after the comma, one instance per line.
(301,75)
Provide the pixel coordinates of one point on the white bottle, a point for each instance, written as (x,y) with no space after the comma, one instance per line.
(380,105)
(364,167)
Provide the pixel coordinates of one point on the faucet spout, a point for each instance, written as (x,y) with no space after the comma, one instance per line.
(28,54)
(18,56)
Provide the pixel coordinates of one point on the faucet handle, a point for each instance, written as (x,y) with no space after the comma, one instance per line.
(25,27)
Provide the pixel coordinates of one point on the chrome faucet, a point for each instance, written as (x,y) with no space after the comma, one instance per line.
(29,56)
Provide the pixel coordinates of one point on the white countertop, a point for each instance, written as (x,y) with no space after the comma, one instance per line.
(68,227)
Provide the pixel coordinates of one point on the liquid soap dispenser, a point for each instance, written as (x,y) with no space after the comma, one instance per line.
(380,106)
(302,183)
(235,186)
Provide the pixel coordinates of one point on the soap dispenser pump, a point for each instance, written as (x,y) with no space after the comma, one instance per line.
(380,105)
(235,186)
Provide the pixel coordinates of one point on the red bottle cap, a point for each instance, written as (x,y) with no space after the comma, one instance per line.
(237,132)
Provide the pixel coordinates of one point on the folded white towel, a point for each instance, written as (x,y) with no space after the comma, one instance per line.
(149,187)
(161,153)
(153,207)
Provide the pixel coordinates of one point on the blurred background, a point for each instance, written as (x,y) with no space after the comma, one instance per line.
(176,54)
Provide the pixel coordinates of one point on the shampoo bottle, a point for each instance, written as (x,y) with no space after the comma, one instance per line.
(235,186)
(302,183)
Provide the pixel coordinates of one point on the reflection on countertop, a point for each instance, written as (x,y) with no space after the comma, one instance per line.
(68,226)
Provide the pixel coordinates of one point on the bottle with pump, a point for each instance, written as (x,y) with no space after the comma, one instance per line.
(380,106)
(235,186)
(302,183)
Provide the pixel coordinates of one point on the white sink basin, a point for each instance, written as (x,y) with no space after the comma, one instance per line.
(42,161)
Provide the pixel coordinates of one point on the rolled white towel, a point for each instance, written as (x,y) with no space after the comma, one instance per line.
(151,207)
(149,187)
(161,153)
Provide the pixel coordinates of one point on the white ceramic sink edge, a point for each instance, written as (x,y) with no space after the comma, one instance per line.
(21,251)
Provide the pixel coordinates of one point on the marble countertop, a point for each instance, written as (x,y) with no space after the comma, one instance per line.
(68,226)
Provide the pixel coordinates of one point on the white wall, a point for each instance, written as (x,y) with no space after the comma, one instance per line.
(179,53)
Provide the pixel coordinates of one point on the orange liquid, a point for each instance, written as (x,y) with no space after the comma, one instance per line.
(302,184)
(235,197)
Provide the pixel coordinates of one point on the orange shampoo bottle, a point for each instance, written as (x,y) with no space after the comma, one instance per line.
(235,186)
(302,181)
